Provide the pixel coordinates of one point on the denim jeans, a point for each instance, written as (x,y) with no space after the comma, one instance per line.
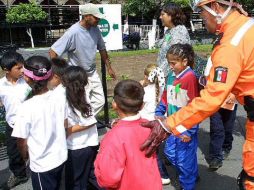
(221,128)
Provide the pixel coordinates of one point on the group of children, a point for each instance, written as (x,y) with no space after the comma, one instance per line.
(51,121)
(120,164)
(53,124)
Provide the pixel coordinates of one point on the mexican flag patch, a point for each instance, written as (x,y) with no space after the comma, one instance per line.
(220,74)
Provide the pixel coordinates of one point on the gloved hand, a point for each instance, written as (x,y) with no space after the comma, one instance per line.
(157,136)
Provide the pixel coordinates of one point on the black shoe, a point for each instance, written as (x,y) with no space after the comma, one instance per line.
(225,154)
(215,164)
(198,179)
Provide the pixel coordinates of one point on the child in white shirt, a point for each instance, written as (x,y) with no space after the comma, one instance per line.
(82,135)
(39,127)
(13,91)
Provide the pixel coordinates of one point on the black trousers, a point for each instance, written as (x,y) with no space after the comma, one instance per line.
(16,163)
(221,132)
(79,169)
(49,180)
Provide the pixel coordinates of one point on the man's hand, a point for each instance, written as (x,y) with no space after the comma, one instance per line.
(157,136)
(111,72)
(231,99)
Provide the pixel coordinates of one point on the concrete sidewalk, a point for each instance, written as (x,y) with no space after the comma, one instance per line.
(223,179)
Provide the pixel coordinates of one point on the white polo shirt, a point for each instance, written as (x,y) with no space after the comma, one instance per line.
(40,120)
(11,96)
(82,139)
(59,93)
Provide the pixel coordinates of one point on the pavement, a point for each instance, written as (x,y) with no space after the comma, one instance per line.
(222,179)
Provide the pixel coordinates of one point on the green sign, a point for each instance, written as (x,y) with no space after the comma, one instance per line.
(104,27)
(101,10)
(115,26)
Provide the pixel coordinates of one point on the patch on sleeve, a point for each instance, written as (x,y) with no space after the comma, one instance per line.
(220,74)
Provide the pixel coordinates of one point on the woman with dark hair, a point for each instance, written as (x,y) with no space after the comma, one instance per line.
(174,19)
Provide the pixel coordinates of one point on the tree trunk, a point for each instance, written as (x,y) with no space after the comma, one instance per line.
(29,32)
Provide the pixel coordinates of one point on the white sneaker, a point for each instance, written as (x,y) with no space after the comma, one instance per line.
(165,181)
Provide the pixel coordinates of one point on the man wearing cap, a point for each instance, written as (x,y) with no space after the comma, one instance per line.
(80,42)
(232,71)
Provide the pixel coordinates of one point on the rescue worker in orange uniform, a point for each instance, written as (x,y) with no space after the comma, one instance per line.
(232,71)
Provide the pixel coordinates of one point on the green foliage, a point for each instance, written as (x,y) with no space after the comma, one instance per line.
(125,77)
(146,7)
(138,7)
(25,13)
(198,48)
(203,48)
(182,3)
(248,5)
(108,78)
(111,113)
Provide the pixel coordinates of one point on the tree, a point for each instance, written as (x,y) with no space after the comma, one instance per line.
(28,14)
(146,7)
(248,5)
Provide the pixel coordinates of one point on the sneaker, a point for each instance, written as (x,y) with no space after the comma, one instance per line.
(225,154)
(14,181)
(165,181)
(215,164)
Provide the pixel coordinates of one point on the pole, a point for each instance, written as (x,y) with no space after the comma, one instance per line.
(49,21)
(104,85)
(9,25)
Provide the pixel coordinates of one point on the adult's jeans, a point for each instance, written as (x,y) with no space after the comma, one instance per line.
(221,128)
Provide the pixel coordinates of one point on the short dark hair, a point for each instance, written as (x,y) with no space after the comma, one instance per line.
(176,13)
(59,66)
(10,59)
(128,95)
(183,51)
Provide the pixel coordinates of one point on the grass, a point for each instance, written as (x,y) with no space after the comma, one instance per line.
(111,113)
(205,48)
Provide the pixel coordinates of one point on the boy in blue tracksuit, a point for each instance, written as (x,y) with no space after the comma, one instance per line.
(181,88)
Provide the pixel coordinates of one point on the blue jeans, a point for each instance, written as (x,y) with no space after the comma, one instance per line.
(221,128)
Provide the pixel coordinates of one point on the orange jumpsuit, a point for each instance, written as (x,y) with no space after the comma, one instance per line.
(232,71)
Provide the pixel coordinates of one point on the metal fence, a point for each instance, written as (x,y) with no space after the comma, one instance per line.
(60,18)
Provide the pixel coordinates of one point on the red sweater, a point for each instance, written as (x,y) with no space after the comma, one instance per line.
(121,165)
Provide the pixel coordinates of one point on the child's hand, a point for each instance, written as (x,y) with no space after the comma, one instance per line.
(185,138)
